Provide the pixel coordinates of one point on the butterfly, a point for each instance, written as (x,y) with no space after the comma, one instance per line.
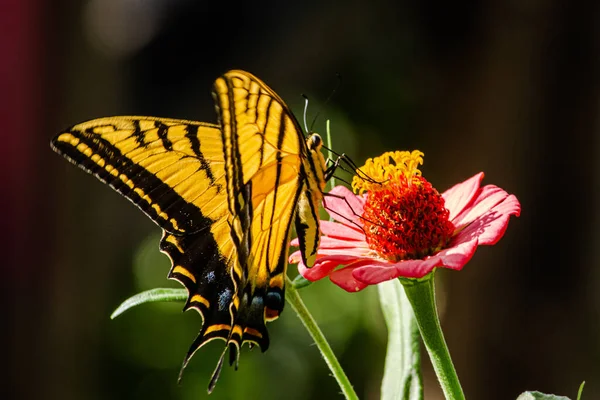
(224,195)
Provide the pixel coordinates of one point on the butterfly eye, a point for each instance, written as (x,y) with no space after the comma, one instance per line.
(314,141)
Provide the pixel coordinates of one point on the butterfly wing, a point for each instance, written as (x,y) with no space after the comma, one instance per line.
(311,196)
(174,171)
(224,195)
(171,169)
(264,148)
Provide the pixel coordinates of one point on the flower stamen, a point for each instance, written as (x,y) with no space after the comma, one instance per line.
(404,216)
(381,169)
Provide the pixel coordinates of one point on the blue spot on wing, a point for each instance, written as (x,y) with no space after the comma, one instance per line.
(210,277)
(225,299)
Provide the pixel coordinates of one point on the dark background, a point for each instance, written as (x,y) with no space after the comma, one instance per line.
(505,87)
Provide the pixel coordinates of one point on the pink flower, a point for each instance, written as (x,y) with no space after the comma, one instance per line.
(404,227)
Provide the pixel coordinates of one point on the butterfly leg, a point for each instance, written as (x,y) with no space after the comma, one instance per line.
(354,169)
(340,214)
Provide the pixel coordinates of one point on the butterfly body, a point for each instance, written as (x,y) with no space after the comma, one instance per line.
(225,196)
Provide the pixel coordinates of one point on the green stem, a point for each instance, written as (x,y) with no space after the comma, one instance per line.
(421,294)
(293,297)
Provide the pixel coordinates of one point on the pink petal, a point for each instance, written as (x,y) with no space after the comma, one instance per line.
(384,271)
(327,263)
(488,229)
(295,257)
(343,254)
(341,257)
(376,272)
(319,271)
(344,277)
(417,268)
(342,231)
(457,256)
(333,243)
(461,194)
(485,199)
(488,224)
(454,258)
(358,202)
(344,206)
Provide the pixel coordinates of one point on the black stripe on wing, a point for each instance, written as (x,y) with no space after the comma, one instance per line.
(156,199)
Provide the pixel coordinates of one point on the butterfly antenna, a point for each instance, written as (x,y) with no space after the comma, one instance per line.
(305,110)
(339,83)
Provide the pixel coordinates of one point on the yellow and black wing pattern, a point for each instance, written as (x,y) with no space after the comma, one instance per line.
(224,195)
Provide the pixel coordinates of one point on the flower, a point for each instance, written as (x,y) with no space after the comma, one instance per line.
(400,226)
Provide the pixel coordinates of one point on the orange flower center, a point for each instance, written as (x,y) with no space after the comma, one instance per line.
(404,216)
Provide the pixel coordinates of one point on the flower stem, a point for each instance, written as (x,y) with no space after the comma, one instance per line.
(293,297)
(421,294)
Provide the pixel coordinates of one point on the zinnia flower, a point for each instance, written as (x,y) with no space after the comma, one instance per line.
(400,226)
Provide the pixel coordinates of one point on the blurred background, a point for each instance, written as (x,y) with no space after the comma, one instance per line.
(510,88)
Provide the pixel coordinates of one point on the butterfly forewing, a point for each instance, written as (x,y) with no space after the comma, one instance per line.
(265,146)
(154,163)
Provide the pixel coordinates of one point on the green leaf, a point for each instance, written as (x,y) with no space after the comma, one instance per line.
(402,373)
(540,396)
(151,296)
(580,392)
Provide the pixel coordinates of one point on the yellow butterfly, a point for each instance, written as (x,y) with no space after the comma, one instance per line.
(225,196)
